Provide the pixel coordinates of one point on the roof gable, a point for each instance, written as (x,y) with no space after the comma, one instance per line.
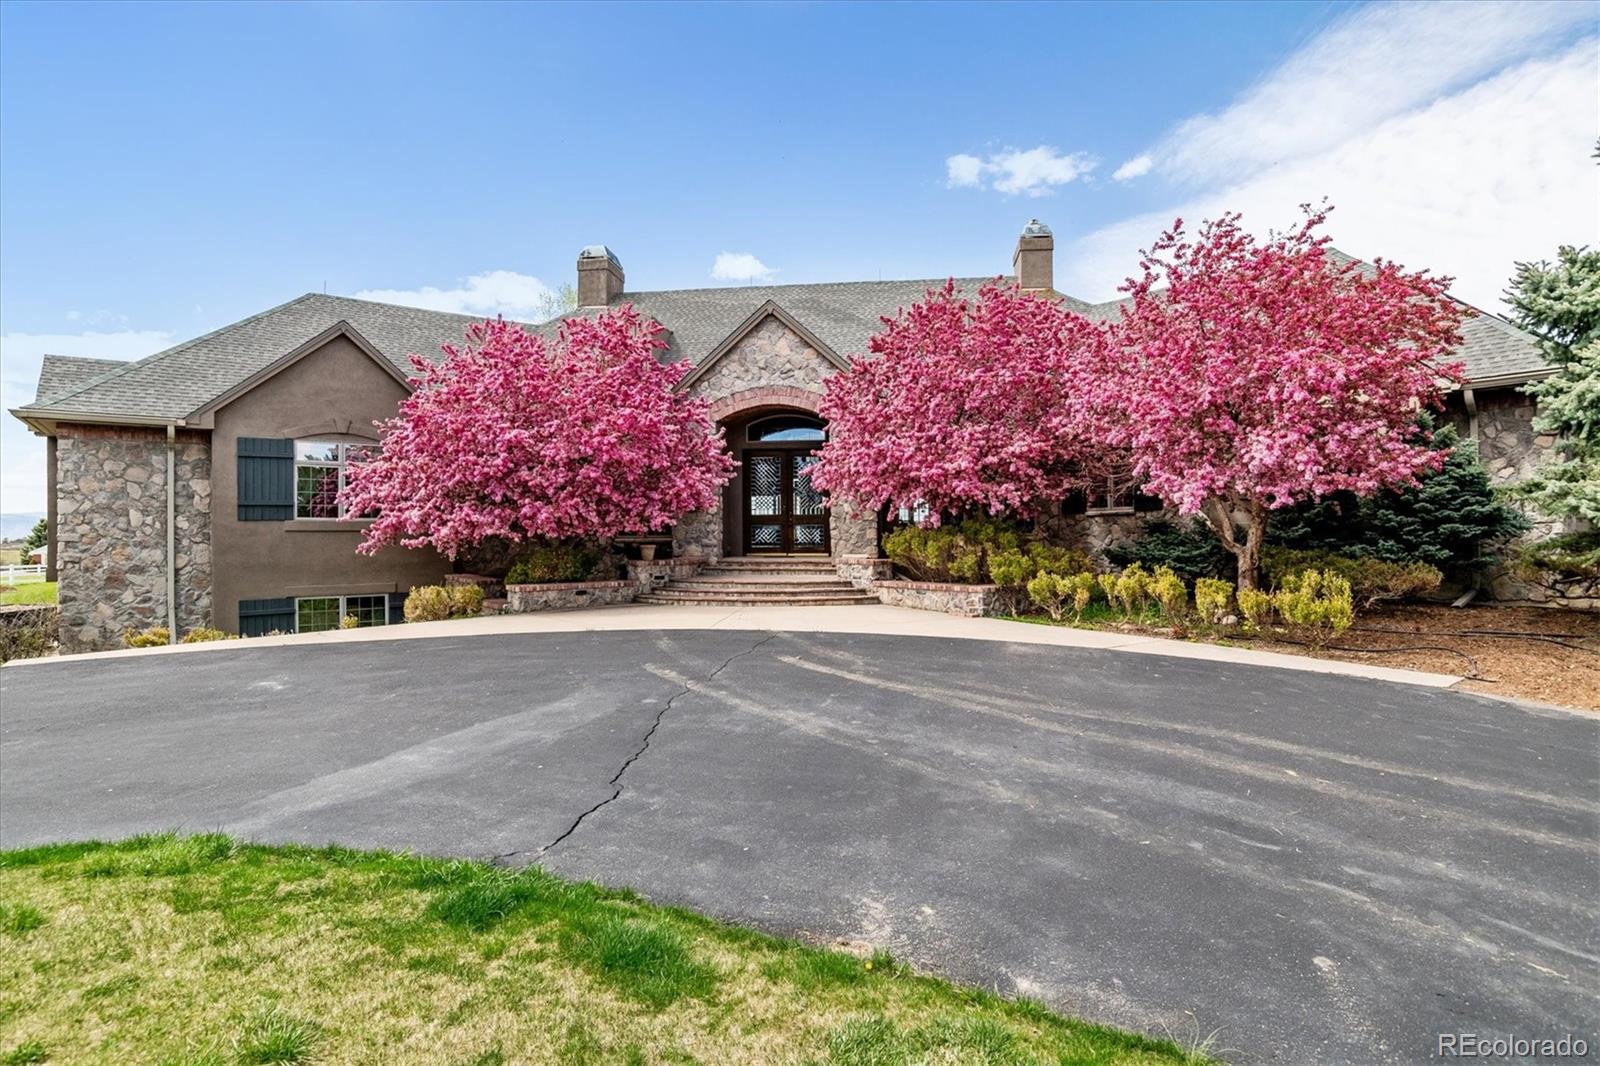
(768,309)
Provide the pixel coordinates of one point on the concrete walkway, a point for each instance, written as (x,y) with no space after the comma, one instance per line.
(876,619)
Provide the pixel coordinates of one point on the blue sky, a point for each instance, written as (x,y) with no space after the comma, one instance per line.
(165,170)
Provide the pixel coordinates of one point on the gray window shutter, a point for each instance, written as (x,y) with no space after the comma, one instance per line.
(266,479)
(397,608)
(257,618)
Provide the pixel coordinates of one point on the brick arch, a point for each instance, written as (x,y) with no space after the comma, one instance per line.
(766,396)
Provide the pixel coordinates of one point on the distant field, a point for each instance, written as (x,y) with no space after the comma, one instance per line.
(10,555)
(33,589)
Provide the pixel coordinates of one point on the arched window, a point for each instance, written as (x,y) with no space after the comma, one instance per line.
(786,428)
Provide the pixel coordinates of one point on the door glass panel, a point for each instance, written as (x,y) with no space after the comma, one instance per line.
(766,485)
(807,500)
(807,536)
(766,536)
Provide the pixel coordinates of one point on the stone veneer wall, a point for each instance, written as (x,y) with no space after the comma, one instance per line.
(559,596)
(111,495)
(863,571)
(970,601)
(650,574)
(772,364)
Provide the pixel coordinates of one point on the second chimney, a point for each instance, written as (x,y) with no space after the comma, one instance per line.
(599,276)
(1034,260)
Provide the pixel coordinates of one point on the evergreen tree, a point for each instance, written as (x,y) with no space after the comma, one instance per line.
(1560,303)
(37,537)
(1452,520)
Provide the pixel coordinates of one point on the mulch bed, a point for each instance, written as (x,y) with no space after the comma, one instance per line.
(1534,653)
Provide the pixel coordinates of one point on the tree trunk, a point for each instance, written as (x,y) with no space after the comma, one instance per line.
(1246,554)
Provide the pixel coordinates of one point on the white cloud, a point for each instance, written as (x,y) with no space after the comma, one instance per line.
(22,474)
(1032,172)
(964,170)
(494,292)
(740,266)
(1137,167)
(1465,185)
(1376,63)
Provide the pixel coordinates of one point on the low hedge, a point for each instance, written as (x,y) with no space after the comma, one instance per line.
(1372,581)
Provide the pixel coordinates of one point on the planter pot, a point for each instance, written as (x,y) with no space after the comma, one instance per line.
(647,552)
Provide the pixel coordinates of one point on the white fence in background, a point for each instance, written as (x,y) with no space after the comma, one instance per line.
(9,574)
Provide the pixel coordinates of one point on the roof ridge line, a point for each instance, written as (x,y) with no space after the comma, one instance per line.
(808,285)
(132,364)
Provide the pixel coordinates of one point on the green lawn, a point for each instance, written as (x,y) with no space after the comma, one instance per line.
(28,592)
(201,950)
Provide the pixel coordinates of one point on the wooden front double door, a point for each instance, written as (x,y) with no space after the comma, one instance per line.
(782,512)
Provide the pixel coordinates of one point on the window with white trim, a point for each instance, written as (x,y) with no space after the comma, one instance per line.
(319,476)
(313,614)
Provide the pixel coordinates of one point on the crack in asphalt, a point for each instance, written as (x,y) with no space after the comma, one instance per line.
(644,745)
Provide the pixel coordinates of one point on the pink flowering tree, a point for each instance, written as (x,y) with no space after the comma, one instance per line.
(965,407)
(519,438)
(1259,374)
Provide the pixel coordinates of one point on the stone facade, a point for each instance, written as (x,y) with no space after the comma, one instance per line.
(560,596)
(969,601)
(769,355)
(112,533)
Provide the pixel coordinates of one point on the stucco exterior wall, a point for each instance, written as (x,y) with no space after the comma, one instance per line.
(336,392)
(111,533)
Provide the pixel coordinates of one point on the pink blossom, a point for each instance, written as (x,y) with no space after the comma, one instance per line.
(516,437)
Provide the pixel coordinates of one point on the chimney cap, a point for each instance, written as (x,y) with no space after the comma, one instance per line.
(599,251)
(1035,228)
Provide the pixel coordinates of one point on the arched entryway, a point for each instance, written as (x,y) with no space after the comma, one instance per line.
(770,506)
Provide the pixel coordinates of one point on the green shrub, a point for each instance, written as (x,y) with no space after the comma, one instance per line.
(1317,602)
(150,637)
(25,641)
(963,552)
(1452,520)
(1051,559)
(1256,607)
(1372,581)
(205,634)
(1190,548)
(466,601)
(1133,590)
(1050,591)
(1212,597)
(1568,557)
(1173,595)
(435,603)
(1108,587)
(428,603)
(555,562)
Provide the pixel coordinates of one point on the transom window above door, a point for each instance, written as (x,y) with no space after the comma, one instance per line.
(779,429)
(319,475)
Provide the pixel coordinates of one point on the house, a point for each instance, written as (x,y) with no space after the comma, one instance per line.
(198,486)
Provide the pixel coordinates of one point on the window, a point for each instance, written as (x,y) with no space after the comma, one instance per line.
(786,428)
(319,474)
(1115,496)
(316,613)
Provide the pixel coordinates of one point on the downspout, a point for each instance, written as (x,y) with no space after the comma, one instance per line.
(172,536)
(1472,412)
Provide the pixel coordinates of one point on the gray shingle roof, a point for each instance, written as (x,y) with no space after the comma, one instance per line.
(179,381)
(63,373)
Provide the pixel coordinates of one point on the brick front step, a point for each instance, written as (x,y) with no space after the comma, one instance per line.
(820,564)
(764,583)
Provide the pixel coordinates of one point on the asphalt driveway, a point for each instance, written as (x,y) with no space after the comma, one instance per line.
(1325,869)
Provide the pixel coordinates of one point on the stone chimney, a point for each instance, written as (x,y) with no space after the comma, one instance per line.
(599,276)
(1034,260)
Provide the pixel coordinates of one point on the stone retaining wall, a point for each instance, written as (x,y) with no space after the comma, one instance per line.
(560,596)
(863,571)
(649,575)
(969,601)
